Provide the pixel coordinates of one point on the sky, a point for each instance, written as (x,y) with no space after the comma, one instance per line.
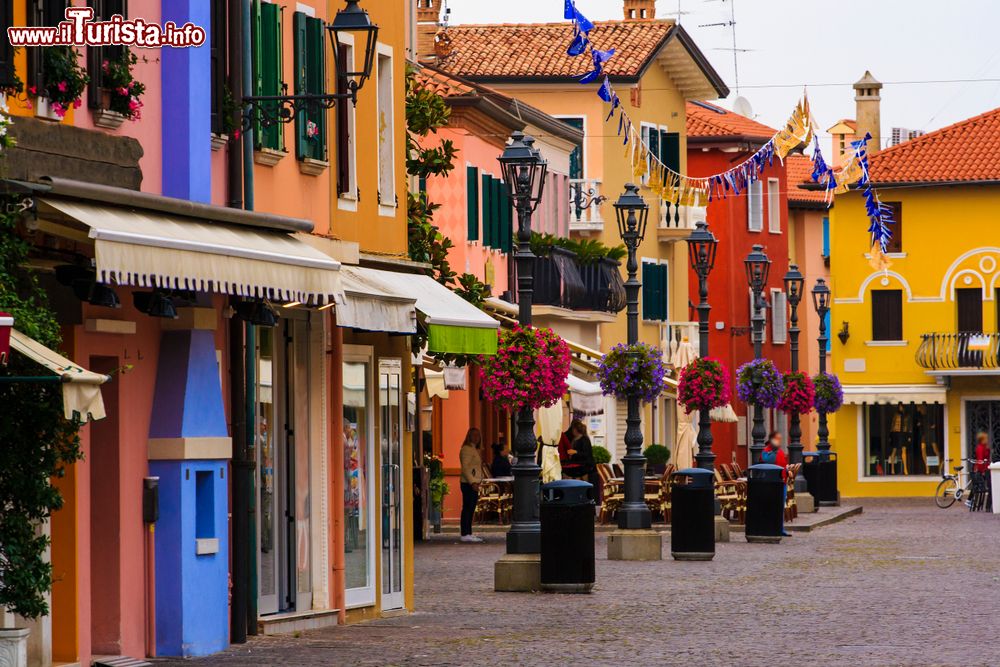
(794,43)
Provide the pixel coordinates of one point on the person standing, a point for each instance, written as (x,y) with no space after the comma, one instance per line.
(582,452)
(472,477)
(982,456)
(775,455)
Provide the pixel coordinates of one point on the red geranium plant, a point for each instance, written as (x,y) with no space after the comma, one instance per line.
(799,394)
(528,371)
(704,384)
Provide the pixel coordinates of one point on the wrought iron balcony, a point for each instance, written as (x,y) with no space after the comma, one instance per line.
(675,223)
(585,201)
(562,281)
(946,353)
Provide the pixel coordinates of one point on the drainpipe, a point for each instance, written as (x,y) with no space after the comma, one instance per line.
(335,400)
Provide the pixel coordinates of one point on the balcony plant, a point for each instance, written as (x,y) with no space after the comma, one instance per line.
(63,82)
(529,369)
(703,385)
(829,393)
(629,371)
(656,458)
(798,395)
(759,383)
(121,93)
(6,138)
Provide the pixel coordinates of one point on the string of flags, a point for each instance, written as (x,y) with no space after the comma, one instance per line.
(682,190)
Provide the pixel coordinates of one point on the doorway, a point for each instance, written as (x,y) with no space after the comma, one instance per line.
(105,518)
(391,431)
(982,417)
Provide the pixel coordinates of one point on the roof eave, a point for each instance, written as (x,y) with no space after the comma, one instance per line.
(699,58)
(727,140)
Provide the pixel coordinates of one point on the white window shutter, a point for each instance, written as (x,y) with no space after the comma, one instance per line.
(779,321)
(773,206)
(755,206)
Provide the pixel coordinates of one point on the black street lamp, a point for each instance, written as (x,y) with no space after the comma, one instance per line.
(702,247)
(268,110)
(633,213)
(821,301)
(794,285)
(524,173)
(757,266)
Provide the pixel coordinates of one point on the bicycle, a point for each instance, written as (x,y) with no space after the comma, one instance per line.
(953,487)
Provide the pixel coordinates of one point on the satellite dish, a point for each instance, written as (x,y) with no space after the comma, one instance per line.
(741,105)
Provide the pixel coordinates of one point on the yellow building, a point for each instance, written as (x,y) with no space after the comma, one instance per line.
(656,69)
(919,363)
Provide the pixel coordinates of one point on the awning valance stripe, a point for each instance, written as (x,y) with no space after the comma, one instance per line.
(370,304)
(892,394)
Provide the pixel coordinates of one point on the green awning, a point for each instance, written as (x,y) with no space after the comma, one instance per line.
(461,340)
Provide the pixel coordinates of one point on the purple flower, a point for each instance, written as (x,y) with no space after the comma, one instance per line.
(628,371)
(759,382)
(829,393)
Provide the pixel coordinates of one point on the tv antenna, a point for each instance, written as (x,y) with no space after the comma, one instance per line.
(731,24)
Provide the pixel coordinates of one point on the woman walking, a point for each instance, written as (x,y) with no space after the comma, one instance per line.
(472,476)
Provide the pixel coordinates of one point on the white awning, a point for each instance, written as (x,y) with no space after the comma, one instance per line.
(144,248)
(81,388)
(585,397)
(372,304)
(859,394)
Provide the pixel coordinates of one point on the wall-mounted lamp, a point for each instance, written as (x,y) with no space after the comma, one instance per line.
(844,333)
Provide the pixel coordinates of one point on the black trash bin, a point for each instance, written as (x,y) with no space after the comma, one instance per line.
(765,503)
(692,523)
(827,475)
(810,470)
(567,523)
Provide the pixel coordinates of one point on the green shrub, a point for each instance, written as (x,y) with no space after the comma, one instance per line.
(601,455)
(656,455)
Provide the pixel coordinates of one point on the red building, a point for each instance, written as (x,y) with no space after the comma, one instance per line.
(717,141)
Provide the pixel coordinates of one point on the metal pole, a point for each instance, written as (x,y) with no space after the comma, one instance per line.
(759,433)
(823,446)
(634,514)
(794,427)
(525,534)
(705,456)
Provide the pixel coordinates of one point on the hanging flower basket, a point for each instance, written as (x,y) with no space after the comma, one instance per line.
(528,371)
(799,394)
(829,393)
(758,382)
(703,385)
(633,371)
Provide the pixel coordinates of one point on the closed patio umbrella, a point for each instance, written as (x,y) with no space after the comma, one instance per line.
(682,454)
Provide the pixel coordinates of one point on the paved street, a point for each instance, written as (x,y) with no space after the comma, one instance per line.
(889,587)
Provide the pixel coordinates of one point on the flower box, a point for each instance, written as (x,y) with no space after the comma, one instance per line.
(219,141)
(108,119)
(43,110)
(313,167)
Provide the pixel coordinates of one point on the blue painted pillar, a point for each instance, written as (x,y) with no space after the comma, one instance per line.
(187,112)
(189,450)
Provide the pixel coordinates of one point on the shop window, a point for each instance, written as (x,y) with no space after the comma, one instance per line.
(267,70)
(358,502)
(755,206)
(903,439)
(887,314)
(309,38)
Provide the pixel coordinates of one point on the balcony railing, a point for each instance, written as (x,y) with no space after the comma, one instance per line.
(585,205)
(561,281)
(677,222)
(673,333)
(946,352)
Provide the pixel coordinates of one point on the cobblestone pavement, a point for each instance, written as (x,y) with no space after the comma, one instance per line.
(903,584)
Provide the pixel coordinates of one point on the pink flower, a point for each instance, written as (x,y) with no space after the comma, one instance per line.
(76,103)
(58,109)
(105,65)
(32,90)
(61,86)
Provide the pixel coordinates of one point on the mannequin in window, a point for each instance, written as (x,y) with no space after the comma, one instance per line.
(927,429)
(900,438)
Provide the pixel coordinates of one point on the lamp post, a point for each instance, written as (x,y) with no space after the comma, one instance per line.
(632,213)
(702,247)
(524,173)
(757,267)
(794,284)
(353,23)
(821,301)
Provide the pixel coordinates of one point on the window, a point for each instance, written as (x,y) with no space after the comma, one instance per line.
(309,39)
(755,206)
(826,237)
(896,242)
(359,497)
(577,167)
(472,202)
(670,150)
(773,206)
(386,132)
(204,493)
(7,72)
(41,13)
(903,439)
(267,69)
(969,304)
(763,312)
(829,334)
(887,314)
(218,92)
(651,137)
(779,320)
(346,170)
(655,293)
(96,55)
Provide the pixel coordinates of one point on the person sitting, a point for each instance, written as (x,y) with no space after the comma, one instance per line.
(500,467)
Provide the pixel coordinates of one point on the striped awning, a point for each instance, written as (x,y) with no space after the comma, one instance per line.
(895,393)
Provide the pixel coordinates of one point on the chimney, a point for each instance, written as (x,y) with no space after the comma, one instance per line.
(428,20)
(867,97)
(640,10)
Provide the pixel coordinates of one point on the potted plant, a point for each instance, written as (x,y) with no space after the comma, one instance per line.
(829,393)
(656,458)
(601,455)
(798,395)
(6,139)
(703,385)
(121,93)
(231,114)
(63,83)
(759,383)
(438,490)
(629,371)
(529,369)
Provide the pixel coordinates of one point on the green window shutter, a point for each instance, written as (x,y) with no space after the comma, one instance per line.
(664,292)
(670,150)
(472,203)
(316,34)
(648,288)
(498,214)
(258,58)
(271,67)
(508,220)
(487,210)
(301,59)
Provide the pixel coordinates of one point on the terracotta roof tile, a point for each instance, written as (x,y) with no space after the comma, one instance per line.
(441,83)
(709,120)
(799,169)
(966,151)
(539,49)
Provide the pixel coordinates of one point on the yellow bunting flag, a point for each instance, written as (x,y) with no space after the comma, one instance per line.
(879,261)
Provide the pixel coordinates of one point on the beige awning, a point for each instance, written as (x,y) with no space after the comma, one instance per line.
(895,393)
(81,388)
(372,304)
(144,248)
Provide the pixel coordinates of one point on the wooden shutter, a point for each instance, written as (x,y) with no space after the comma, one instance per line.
(755,206)
(270,63)
(257,53)
(779,318)
(497,200)
(343,130)
(773,206)
(826,237)
(654,147)
(6,50)
(647,290)
(472,203)
(970,309)
(670,150)
(654,292)
(317,80)
(507,218)
(218,37)
(300,50)
(487,210)
(887,314)
(896,242)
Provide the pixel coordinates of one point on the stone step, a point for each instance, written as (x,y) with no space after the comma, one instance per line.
(118,661)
